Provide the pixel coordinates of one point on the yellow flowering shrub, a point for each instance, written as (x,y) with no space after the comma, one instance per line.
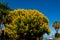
(22,21)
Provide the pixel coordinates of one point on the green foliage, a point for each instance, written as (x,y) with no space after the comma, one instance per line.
(57,35)
(4,9)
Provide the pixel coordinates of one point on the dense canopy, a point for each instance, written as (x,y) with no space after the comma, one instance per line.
(26,21)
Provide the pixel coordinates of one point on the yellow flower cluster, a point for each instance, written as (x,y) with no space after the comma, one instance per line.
(32,20)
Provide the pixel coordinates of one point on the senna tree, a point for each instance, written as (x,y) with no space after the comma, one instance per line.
(27,24)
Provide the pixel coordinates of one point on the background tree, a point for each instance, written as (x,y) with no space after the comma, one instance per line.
(3,12)
(56,25)
(26,24)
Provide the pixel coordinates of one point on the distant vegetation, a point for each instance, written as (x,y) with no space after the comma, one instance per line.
(56,25)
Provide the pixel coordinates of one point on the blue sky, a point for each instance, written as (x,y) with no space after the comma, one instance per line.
(51,8)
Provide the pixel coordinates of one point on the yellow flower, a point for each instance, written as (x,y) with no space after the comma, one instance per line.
(27,26)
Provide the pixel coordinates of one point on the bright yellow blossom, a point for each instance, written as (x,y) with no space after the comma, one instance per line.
(26,20)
